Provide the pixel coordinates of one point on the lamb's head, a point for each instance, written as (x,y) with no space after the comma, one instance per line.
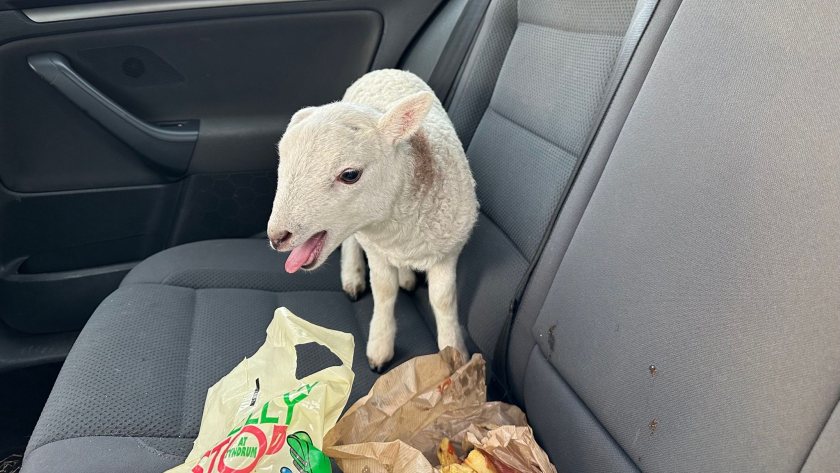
(342,167)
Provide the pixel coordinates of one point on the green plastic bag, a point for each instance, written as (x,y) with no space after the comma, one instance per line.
(259,418)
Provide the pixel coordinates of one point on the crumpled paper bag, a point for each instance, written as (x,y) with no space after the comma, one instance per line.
(514,447)
(260,419)
(398,426)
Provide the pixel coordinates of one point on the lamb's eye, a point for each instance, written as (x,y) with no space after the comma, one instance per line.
(350,176)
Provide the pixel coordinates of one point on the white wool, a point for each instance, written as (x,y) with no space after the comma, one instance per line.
(414,205)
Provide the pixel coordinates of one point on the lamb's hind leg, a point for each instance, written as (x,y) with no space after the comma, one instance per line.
(352,268)
(408,280)
(444,299)
(383,327)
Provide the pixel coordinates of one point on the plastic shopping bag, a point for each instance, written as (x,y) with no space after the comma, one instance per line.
(259,418)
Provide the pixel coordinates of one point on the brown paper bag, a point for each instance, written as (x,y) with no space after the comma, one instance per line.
(515,447)
(398,426)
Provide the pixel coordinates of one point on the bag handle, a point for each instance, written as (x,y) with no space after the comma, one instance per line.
(289,330)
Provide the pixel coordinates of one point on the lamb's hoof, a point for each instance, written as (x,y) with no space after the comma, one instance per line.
(351,293)
(379,357)
(408,280)
(354,289)
(455,342)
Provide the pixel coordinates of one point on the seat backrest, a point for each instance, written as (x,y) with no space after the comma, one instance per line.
(530,92)
(692,320)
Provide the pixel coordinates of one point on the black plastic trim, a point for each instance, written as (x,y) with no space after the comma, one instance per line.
(62,301)
(171,149)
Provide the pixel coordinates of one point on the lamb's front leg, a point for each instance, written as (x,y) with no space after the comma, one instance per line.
(352,268)
(383,327)
(444,299)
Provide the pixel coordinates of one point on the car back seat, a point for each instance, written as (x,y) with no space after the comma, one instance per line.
(186,316)
(680,320)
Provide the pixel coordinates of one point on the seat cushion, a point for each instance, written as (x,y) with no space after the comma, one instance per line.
(134,383)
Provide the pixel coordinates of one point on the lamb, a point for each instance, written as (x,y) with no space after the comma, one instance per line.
(382,171)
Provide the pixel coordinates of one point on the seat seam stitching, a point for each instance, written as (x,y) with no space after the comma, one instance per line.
(536,348)
(273,291)
(570,30)
(119,437)
(563,148)
(819,435)
(173,274)
(182,422)
(154,450)
(505,234)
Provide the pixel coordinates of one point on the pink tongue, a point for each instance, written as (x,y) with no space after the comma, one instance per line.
(304,254)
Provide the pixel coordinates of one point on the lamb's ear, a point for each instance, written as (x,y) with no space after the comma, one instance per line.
(404,118)
(300,115)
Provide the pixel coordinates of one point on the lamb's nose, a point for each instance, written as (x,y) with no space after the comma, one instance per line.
(276,243)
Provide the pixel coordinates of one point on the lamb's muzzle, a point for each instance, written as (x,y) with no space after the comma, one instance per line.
(276,242)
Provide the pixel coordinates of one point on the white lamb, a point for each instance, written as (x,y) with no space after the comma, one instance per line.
(382,168)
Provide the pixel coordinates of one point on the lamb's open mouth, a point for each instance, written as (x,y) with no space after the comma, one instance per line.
(306,255)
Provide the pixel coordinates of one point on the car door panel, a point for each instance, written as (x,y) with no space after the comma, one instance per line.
(79,204)
(220,70)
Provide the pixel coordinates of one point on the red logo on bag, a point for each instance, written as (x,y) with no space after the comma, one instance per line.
(221,450)
(235,444)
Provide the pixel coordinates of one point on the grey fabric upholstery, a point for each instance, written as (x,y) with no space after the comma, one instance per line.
(710,250)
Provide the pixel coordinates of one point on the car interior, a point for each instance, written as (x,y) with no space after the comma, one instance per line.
(654,277)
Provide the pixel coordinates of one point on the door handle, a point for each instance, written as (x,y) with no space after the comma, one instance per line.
(169,147)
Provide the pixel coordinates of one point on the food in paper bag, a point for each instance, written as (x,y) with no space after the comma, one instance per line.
(510,449)
(446,453)
(506,449)
(432,410)
(476,462)
(259,418)
(457,468)
(479,462)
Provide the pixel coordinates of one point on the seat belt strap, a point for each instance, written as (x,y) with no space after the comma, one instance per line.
(455,51)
